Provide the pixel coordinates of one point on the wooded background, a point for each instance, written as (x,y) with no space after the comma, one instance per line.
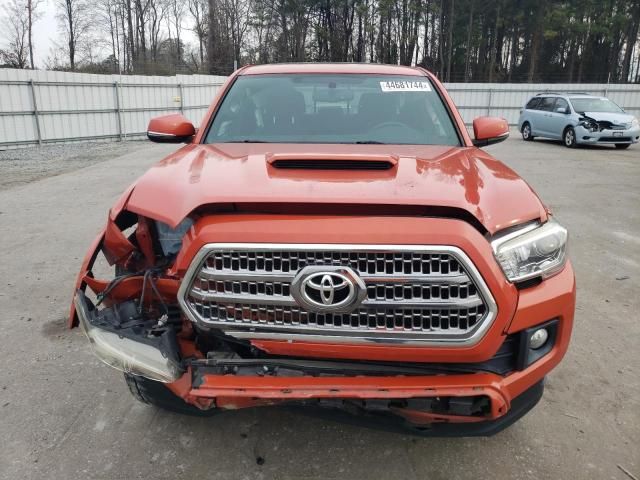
(460,40)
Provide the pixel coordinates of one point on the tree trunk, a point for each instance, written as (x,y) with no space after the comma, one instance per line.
(30,34)
(494,47)
(450,40)
(468,52)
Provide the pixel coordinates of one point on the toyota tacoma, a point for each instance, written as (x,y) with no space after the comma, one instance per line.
(332,239)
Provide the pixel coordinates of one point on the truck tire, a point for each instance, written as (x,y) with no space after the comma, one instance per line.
(157,394)
(622,146)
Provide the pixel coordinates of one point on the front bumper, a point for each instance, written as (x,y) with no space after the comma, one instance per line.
(508,396)
(587,137)
(520,406)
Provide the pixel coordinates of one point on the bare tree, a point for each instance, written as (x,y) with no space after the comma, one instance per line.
(176,14)
(198,10)
(33,14)
(75,17)
(157,13)
(16,34)
(108,15)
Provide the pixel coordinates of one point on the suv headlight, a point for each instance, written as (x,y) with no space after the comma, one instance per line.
(533,251)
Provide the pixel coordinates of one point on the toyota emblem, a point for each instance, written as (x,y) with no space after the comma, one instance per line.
(328,289)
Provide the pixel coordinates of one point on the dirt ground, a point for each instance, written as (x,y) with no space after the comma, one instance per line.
(64,415)
(26,165)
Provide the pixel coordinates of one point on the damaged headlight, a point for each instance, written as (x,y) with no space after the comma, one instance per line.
(171,238)
(589,125)
(534,251)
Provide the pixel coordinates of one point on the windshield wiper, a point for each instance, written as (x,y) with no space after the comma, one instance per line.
(369,142)
(248,140)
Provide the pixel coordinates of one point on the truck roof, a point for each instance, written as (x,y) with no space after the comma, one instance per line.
(348,68)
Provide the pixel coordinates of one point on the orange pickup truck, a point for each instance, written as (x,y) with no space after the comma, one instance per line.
(332,238)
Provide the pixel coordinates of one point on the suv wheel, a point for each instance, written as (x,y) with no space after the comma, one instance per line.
(526,132)
(622,146)
(157,394)
(569,137)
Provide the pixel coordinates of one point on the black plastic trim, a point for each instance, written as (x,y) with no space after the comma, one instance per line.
(520,406)
(527,356)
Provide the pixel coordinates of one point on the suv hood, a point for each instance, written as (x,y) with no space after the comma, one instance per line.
(609,117)
(434,176)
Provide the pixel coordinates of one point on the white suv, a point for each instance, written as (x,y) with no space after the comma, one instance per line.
(578,119)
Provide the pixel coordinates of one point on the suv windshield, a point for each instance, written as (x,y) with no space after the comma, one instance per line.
(594,105)
(326,108)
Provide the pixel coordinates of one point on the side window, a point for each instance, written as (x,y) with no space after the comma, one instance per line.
(561,103)
(533,103)
(547,103)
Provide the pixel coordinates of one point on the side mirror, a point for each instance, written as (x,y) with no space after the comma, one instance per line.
(489,130)
(170,129)
(563,110)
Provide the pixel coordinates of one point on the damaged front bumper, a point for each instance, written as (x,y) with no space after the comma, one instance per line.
(606,136)
(155,357)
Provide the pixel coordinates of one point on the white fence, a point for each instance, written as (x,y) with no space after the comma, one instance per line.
(46,107)
(39,107)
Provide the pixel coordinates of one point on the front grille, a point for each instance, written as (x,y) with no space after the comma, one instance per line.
(614,139)
(413,293)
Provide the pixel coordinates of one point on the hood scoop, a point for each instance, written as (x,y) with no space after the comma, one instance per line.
(308,161)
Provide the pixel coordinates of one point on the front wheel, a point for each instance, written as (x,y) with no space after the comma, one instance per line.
(622,146)
(526,132)
(569,137)
(157,394)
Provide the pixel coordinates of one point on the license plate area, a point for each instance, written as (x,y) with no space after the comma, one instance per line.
(617,134)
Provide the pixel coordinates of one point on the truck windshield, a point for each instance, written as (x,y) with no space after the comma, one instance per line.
(582,105)
(325,108)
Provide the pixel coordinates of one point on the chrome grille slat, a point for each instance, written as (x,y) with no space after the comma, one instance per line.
(211,274)
(365,263)
(420,294)
(375,303)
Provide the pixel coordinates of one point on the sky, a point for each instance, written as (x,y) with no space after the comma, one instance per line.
(46,31)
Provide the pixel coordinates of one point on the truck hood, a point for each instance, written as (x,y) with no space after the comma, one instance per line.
(431,176)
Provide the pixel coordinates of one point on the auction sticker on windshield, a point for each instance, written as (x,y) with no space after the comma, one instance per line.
(404,86)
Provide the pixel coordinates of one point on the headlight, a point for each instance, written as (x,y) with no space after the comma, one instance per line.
(634,122)
(589,125)
(171,238)
(534,251)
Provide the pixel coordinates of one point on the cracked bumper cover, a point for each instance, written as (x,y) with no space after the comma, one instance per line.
(584,135)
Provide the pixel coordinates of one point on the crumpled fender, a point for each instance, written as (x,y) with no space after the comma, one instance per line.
(85,269)
(96,247)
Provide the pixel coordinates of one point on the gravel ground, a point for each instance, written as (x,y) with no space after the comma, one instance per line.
(24,165)
(65,415)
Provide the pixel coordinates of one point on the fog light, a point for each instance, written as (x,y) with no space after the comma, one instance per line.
(538,338)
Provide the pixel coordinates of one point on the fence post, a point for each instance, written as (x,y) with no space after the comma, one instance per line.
(116,92)
(489,102)
(181,91)
(35,111)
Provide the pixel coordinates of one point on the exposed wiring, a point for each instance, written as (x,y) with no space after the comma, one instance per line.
(113,284)
(148,276)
